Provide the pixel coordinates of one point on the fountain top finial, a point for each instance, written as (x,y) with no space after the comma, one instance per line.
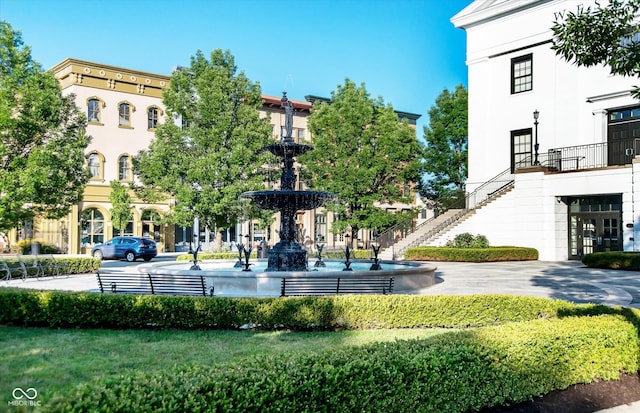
(288,116)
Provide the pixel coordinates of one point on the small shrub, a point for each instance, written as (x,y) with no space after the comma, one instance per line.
(24,246)
(467,240)
(616,260)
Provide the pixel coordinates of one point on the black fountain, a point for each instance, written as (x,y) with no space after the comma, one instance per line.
(288,254)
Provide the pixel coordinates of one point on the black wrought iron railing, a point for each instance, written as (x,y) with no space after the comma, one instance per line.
(397,232)
(570,158)
(591,156)
(492,187)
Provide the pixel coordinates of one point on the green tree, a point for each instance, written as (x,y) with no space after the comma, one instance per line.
(121,210)
(363,154)
(209,150)
(445,153)
(607,33)
(42,139)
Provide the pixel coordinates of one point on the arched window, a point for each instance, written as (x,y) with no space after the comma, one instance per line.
(94,165)
(124,118)
(92,227)
(153,113)
(95,162)
(93,109)
(124,168)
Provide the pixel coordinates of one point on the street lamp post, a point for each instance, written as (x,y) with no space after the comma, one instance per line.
(536,146)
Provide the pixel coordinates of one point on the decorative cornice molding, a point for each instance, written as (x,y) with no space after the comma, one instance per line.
(79,72)
(482,11)
(607,96)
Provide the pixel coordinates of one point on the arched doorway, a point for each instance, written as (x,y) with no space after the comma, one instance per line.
(92,225)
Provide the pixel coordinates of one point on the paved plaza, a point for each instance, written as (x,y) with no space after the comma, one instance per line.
(566,280)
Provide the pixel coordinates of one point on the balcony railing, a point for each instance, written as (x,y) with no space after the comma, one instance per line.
(595,155)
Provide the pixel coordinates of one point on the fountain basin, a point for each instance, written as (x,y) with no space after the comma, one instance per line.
(291,199)
(409,277)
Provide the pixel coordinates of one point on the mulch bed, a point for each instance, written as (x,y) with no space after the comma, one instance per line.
(581,398)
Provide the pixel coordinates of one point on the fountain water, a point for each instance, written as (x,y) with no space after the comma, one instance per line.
(288,254)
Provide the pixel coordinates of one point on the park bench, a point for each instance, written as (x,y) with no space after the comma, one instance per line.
(336,285)
(30,266)
(157,284)
(49,265)
(24,267)
(11,267)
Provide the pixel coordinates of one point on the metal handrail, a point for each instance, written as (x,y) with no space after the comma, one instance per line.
(593,155)
(488,190)
(436,230)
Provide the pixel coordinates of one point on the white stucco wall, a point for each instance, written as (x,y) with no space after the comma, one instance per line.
(572,103)
(560,89)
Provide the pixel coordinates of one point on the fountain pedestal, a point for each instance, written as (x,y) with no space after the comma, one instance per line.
(288,254)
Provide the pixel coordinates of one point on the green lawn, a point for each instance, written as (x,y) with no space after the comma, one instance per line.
(54,360)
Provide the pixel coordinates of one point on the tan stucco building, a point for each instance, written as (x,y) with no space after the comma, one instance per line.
(123,108)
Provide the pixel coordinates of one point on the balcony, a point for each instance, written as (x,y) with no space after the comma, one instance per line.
(591,156)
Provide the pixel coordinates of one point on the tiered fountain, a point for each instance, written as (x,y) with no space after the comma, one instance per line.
(288,259)
(288,254)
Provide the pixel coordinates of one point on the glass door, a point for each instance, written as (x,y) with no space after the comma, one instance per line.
(595,225)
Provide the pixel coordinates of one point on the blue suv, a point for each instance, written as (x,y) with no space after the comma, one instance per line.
(129,248)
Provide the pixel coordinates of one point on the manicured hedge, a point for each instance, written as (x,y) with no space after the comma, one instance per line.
(489,254)
(454,372)
(355,254)
(617,260)
(71,265)
(527,347)
(95,310)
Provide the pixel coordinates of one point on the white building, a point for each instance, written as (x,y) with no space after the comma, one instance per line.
(581,195)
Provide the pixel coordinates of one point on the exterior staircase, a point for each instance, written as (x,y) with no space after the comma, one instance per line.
(422,234)
(430,230)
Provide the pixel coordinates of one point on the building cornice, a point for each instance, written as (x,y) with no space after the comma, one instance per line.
(607,96)
(483,11)
(77,72)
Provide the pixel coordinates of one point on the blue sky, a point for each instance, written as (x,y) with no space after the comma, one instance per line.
(406,51)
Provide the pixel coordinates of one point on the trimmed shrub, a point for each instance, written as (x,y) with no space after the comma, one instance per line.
(616,260)
(453,372)
(95,310)
(71,265)
(467,240)
(355,254)
(24,246)
(229,255)
(488,254)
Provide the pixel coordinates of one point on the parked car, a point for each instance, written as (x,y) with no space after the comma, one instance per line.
(129,248)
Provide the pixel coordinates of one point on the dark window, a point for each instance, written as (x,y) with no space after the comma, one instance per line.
(93,113)
(124,115)
(124,168)
(94,165)
(521,74)
(520,148)
(152,118)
